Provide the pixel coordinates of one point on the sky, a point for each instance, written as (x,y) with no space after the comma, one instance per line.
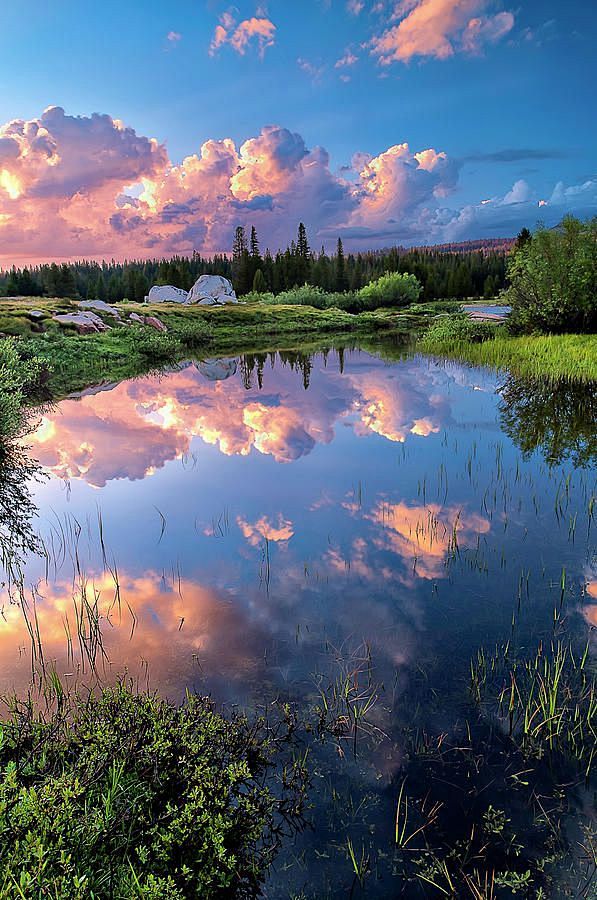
(136,129)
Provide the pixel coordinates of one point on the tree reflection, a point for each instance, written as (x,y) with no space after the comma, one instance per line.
(557,418)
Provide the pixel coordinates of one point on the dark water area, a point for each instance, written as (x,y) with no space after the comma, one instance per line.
(270,527)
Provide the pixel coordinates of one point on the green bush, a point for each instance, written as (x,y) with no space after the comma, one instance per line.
(154,346)
(392,289)
(553,280)
(124,795)
(19,376)
(457,329)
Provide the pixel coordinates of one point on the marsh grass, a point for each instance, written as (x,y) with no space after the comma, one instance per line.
(546,702)
(565,357)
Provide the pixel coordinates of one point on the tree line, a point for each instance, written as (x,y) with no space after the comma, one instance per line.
(454,273)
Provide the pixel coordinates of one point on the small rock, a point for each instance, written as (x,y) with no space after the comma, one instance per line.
(154,322)
(36,314)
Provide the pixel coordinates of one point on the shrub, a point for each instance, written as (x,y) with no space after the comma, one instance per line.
(125,795)
(153,346)
(457,329)
(392,289)
(553,280)
(19,376)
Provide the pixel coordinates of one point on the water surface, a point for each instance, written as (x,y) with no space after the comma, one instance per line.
(246,526)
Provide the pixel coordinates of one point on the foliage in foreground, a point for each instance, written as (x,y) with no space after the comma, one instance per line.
(553,280)
(124,795)
(19,376)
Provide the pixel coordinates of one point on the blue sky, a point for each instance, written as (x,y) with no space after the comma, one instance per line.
(512,99)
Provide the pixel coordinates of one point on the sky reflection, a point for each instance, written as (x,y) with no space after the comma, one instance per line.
(261,511)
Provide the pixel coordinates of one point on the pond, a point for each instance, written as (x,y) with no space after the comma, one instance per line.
(266,526)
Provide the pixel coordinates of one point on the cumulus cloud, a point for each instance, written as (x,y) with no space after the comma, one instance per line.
(258,31)
(438,29)
(90,186)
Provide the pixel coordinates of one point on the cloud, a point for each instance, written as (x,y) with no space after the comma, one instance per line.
(355,7)
(174,37)
(438,29)
(513,154)
(314,71)
(349,59)
(258,30)
(90,186)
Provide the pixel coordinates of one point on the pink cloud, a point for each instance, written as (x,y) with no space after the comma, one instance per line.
(77,186)
(438,29)
(257,30)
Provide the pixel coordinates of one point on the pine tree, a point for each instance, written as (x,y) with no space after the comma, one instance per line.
(302,255)
(341,280)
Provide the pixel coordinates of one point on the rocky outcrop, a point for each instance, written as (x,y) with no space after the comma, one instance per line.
(84,322)
(167,293)
(212,290)
(100,306)
(208,290)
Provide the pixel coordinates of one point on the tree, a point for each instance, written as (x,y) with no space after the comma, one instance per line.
(259,282)
(254,244)
(553,280)
(341,280)
(241,262)
(524,236)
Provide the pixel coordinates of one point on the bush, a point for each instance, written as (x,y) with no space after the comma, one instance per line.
(553,280)
(392,289)
(153,346)
(19,376)
(457,329)
(125,795)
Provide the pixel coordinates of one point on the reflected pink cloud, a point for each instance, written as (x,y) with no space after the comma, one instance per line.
(279,531)
(132,429)
(172,625)
(424,536)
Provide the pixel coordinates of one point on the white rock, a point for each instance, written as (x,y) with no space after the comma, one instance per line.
(217,369)
(166,293)
(100,306)
(212,290)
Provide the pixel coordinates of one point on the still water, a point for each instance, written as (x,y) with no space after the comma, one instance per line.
(248,527)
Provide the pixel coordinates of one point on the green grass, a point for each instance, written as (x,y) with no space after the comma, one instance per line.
(559,356)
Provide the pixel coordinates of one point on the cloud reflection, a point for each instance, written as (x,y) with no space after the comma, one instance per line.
(132,429)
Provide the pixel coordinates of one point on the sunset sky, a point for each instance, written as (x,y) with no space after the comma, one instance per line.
(151,128)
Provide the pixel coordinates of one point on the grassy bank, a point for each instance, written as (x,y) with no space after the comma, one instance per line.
(75,361)
(556,356)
